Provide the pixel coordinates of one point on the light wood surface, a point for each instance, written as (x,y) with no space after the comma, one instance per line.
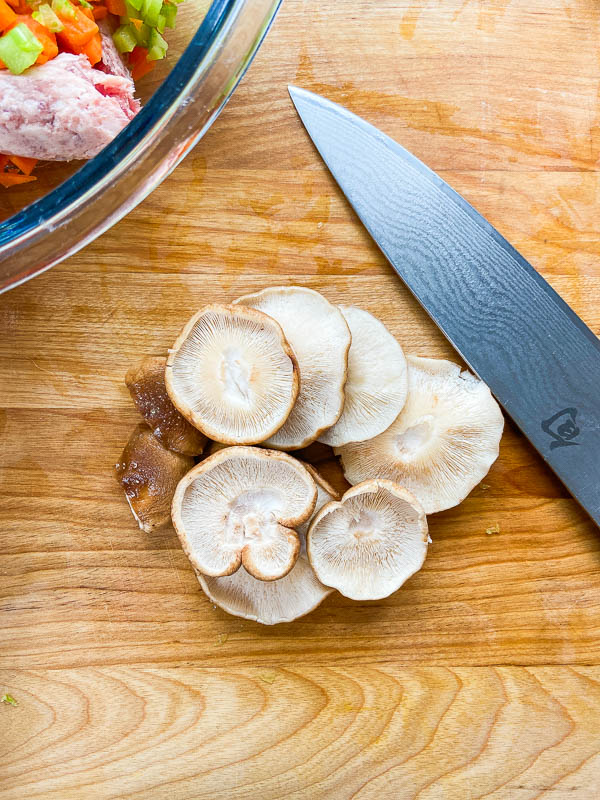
(478,679)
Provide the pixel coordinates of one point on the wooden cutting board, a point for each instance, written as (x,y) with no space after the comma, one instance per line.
(479,678)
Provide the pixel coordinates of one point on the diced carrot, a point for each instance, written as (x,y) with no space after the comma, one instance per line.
(8,179)
(26,165)
(142,68)
(100,12)
(93,49)
(7,16)
(116,7)
(138,53)
(88,12)
(20,6)
(42,34)
(77,32)
(138,63)
(137,22)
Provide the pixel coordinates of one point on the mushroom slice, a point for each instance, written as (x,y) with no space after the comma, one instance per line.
(214,447)
(240,507)
(368,544)
(146,384)
(149,474)
(320,338)
(442,443)
(377,381)
(232,374)
(284,600)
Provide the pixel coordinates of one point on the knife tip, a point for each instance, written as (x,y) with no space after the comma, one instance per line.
(296,93)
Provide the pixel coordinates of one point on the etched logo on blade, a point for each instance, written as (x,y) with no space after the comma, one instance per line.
(562,428)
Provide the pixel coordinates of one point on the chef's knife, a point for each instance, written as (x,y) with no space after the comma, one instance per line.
(539,359)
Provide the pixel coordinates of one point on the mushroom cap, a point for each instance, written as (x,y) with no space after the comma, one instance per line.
(284,600)
(320,338)
(239,507)
(369,543)
(442,443)
(149,474)
(377,381)
(232,374)
(146,384)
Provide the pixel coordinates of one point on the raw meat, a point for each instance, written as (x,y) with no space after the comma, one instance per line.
(112,61)
(63,110)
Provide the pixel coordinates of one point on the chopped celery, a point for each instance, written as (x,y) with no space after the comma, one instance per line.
(157,46)
(8,698)
(131,11)
(46,17)
(143,35)
(169,12)
(85,4)
(63,8)
(136,4)
(25,39)
(125,39)
(151,11)
(141,32)
(19,49)
(155,53)
(161,24)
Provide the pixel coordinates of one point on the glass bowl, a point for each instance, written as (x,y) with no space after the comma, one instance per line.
(68,207)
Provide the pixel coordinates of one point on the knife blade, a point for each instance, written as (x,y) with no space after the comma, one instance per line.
(515,332)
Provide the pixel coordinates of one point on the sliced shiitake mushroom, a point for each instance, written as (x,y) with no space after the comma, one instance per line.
(441,444)
(240,507)
(232,374)
(271,602)
(320,338)
(368,544)
(377,381)
(214,447)
(149,474)
(146,384)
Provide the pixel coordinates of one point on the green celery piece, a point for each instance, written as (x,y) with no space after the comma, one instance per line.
(46,17)
(143,35)
(25,39)
(131,12)
(8,698)
(157,46)
(64,8)
(19,49)
(151,11)
(161,24)
(85,4)
(125,39)
(135,4)
(155,54)
(169,12)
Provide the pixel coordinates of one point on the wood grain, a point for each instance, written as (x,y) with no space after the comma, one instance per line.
(302,733)
(479,678)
